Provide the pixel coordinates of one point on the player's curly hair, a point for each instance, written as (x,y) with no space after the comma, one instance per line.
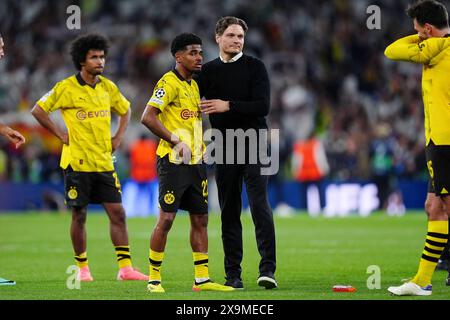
(429,11)
(180,42)
(81,46)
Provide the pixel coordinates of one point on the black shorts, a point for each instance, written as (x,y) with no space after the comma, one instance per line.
(82,188)
(438,160)
(182,187)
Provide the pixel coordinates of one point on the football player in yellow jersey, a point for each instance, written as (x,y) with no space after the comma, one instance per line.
(431,47)
(16,138)
(173,114)
(86,101)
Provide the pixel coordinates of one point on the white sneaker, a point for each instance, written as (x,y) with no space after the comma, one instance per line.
(268,282)
(411,289)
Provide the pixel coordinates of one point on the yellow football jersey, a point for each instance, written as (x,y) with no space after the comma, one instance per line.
(179,102)
(87,114)
(434,54)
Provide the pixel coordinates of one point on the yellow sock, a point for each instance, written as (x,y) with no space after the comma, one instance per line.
(437,238)
(200,266)
(155,259)
(81,260)
(123,256)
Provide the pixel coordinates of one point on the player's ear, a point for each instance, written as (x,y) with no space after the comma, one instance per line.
(428,28)
(217,38)
(178,57)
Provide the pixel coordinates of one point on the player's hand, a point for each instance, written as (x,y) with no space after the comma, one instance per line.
(183,152)
(14,136)
(64,138)
(2,53)
(115,142)
(214,106)
(205,156)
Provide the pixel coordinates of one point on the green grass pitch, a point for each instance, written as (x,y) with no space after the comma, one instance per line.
(313,255)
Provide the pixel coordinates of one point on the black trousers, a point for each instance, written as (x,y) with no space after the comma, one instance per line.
(229,180)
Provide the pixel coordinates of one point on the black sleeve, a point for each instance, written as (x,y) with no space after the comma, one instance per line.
(259,92)
(201,83)
(200,78)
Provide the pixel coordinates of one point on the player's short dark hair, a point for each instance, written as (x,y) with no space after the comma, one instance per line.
(225,22)
(81,46)
(181,41)
(429,11)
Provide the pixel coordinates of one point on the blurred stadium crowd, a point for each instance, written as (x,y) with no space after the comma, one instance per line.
(327,71)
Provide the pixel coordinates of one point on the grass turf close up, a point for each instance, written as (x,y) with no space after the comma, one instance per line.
(313,255)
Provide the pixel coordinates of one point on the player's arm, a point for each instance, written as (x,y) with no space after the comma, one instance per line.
(12,135)
(414,49)
(117,138)
(151,121)
(44,119)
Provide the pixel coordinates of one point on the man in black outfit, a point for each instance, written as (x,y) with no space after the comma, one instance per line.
(237,92)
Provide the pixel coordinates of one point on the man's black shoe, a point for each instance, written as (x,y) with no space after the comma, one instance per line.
(267,281)
(235,283)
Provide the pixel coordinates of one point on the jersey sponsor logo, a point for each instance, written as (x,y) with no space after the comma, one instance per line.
(72,194)
(160,93)
(169,198)
(82,115)
(187,114)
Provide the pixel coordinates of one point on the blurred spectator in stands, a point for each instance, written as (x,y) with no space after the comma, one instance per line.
(140,194)
(310,167)
(382,161)
(343,77)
